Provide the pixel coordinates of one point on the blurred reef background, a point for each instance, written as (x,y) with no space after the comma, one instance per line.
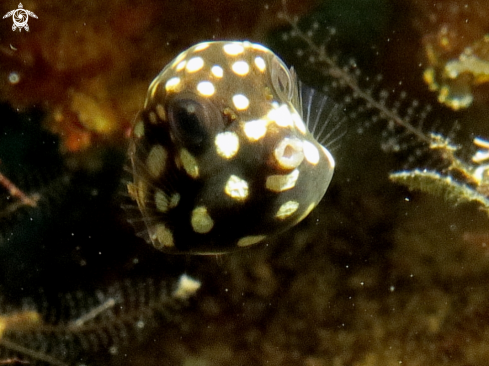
(376,275)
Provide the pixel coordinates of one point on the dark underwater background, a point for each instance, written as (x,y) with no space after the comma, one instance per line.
(376,275)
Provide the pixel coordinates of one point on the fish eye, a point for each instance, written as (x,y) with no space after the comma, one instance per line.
(281,79)
(193,119)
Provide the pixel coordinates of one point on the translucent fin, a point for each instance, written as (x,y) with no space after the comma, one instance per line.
(323,116)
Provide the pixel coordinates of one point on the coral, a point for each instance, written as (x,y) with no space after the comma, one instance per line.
(14,191)
(399,116)
(92,326)
(472,184)
(62,66)
(456,48)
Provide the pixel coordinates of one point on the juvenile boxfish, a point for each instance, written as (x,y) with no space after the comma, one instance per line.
(221,156)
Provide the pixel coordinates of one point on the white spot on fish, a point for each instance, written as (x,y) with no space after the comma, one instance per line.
(206,88)
(195,64)
(240,102)
(217,71)
(287,209)
(233,49)
(236,188)
(227,144)
(240,68)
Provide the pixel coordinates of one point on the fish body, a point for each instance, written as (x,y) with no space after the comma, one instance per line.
(221,157)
